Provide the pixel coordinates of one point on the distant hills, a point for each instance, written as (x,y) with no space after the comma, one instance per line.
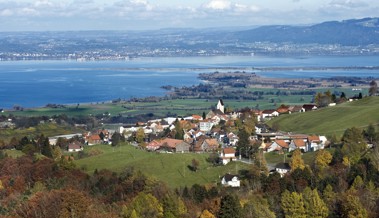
(349,32)
(349,37)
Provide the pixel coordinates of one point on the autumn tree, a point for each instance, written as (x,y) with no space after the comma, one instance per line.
(173,206)
(314,205)
(351,207)
(195,165)
(140,135)
(257,206)
(323,99)
(143,206)
(330,197)
(207,214)
(297,161)
(293,205)
(322,159)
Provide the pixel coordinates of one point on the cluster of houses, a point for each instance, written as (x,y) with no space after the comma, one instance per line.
(201,134)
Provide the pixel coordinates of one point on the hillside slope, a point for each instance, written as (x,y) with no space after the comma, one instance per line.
(332,120)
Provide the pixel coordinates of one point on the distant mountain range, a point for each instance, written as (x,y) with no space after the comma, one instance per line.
(349,37)
(349,33)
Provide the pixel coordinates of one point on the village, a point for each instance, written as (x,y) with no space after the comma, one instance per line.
(216,132)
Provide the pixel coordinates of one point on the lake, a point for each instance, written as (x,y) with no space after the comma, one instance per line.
(37,83)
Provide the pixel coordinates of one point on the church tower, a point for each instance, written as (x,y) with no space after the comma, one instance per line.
(220,106)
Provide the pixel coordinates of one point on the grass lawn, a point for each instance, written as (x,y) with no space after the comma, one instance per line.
(332,120)
(170,168)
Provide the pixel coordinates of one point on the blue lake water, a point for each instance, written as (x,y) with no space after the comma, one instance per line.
(37,83)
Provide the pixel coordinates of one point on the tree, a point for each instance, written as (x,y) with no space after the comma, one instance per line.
(207,214)
(322,159)
(351,207)
(329,197)
(257,207)
(353,144)
(144,206)
(230,207)
(297,161)
(243,143)
(140,135)
(117,138)
(179,132)
(314,205)
(194,165)
(293,205)
(343,96)
(373,88)
(370,133)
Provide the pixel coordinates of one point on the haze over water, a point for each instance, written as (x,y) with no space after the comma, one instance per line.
(37,83)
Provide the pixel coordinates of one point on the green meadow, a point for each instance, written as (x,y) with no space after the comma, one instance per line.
(172,168)
(332,120)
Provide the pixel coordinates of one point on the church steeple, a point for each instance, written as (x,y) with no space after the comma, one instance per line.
(220,106)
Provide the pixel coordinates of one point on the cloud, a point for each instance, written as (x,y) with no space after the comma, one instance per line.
(348,4)
(218,5)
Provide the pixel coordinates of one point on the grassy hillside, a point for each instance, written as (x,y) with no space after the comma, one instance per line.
(332,120)
(48,129)
(170,168)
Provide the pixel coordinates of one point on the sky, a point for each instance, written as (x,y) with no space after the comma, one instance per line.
(59,15)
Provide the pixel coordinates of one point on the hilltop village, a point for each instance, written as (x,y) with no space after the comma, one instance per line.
(217,131)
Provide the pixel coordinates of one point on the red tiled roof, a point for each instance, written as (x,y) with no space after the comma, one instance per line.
(172,143)
(212,143)
(281,143)
(229,151)
(299,143)
(313,138)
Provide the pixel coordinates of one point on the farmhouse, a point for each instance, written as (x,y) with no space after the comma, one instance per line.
(227,155)
(298,144)
(75,147)
(230,180)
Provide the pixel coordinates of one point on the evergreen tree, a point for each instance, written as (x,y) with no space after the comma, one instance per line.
(243,144)
(230,207)
(352,207)
(373,88)
(343,96)
(293,205)
(353,144)
(179,132)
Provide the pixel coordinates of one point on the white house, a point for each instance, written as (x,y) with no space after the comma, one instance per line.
(75,147)
(282,168)
(227,155)
(206,125)
(298,144)
(316,142)
(278,145)
(230,180)
(268,114)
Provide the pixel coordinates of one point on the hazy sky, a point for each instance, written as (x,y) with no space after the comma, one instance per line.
(17,15)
